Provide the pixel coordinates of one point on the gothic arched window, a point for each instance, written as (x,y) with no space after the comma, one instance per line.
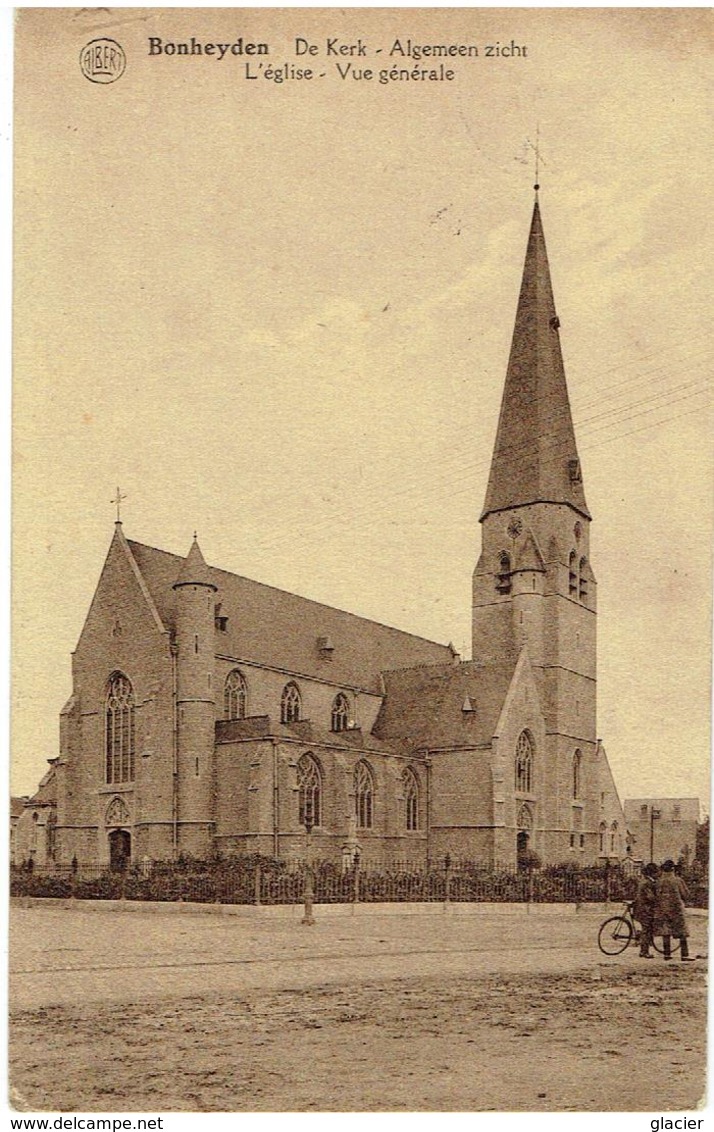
(614,839)
(235,696)
(364,795)
(309,781)
(411,799)
(119,730)
(340,712)
(503,578)
(583,579)
(602,833)
(524,763)
(573,574)
(577,773)
(290,704)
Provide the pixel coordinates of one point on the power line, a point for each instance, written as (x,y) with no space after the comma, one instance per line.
(380,506)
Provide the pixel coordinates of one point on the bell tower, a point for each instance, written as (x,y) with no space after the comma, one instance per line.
(533,586)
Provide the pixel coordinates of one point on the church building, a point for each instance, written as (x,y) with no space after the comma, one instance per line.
(211,714)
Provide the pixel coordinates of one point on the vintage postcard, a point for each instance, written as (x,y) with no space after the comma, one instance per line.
(361,569)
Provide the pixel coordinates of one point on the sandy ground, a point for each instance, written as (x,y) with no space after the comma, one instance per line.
(157,1013)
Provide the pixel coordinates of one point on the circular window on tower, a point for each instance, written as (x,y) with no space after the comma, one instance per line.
(514,528)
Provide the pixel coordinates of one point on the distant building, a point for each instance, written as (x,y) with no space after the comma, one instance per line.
(663,828)
(17,805)
(612,830)
(34,836)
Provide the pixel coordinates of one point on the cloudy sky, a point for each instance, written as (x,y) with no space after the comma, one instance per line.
(280,314)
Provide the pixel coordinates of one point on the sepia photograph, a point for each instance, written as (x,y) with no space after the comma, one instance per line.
(361,561)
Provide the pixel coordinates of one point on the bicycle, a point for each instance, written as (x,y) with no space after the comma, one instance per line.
(617,932)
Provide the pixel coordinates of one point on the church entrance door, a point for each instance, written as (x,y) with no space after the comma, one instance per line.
(119,849)
(522,840)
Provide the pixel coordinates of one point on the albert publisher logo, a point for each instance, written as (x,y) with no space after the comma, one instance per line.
(102,61)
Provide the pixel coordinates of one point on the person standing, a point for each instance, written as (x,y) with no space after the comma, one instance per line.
(643,908)
(669,918)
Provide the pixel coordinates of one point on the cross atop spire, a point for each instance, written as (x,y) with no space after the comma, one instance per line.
(538,158)
(535,458)
(119,499)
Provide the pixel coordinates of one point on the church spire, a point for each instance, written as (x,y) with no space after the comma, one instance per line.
(535,458)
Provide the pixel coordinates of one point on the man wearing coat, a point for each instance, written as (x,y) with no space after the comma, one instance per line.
(643,908)
(669,918)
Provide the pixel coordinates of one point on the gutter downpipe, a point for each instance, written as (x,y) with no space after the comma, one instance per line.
(428,810)
(174,789)
(276,800)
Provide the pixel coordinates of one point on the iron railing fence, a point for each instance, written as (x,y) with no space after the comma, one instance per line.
(251,880)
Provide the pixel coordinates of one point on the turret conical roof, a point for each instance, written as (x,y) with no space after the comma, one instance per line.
(535,458)
(194,571)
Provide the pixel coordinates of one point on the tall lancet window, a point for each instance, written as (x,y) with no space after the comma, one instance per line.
(309,781)
(119,730)
(573,575)
(411,799)
(524,764)
(583,578)
(577,774)
(503,577)
(290,704)
(364,795)
(235,696)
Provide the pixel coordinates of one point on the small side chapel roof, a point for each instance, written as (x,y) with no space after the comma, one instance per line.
(424,706)
(46,793)
(17,805)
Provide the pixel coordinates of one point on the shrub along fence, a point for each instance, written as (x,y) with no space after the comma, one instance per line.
(265,880)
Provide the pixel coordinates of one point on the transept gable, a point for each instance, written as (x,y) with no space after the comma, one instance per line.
(120,597)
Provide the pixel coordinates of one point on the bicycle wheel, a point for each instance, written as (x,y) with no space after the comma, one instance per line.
(614,935)
(657,944)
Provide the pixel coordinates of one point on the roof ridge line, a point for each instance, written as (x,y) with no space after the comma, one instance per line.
(300,597)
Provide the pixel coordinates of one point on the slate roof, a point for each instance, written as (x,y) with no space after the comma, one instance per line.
(17,805)
(281,630)
(46,794)
(423,707)
(535,443)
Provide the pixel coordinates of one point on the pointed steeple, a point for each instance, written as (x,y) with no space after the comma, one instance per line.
(194,571)
(535,458)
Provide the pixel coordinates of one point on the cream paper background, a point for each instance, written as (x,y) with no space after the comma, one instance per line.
(280,314)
